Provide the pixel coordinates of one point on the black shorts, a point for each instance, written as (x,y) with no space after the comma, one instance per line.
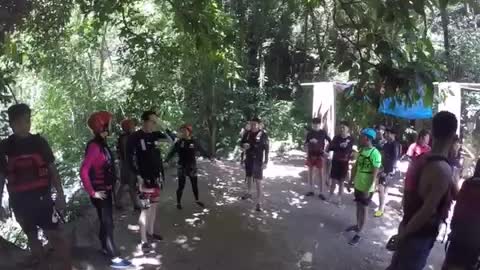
(339,170)
(34,211)
(254,169)
(387,180)
(364,198)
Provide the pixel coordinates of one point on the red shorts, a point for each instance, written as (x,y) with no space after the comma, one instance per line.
(314,162)
(153,196)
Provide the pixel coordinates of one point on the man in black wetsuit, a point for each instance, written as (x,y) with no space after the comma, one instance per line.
(186,148)
(127,177)
(256,146)
(145,160)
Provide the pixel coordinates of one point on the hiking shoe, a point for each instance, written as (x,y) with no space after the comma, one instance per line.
(156,237)
(353,228)
(378,213)
(246,196)
(201,204)
(179,206)
(147,246)
(119,263)
(310,194)
(258,208)
(355,240)
(322,197)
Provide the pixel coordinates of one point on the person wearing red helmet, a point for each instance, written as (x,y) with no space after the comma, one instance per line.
(98,177)
(145,160)
(127,176)
(27,162)
(186,148)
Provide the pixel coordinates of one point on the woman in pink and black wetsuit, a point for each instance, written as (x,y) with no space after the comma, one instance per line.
(98,176)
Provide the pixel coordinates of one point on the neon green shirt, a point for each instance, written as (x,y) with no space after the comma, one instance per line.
(368,160)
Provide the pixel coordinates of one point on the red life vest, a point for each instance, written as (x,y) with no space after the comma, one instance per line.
(103,178)
(28,172)
(412,201)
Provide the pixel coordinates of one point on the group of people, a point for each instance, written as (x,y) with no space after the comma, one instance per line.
(27,168)
(431,186)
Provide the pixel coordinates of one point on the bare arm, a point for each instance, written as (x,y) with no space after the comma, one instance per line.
(436,179)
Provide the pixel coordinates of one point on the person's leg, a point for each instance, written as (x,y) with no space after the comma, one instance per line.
(362,217)
(181,186)
(194,181)
(142,222)
(321,179)
(333,185)
(107,225)
(248,178)
(311,191)
(151,218)
(258,185)
(341,184)
(36,249)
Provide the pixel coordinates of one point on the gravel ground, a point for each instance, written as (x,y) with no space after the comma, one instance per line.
(293,232)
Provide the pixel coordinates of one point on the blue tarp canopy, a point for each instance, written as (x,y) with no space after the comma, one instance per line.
(413,111)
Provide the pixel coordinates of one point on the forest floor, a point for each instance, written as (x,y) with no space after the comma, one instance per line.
(293,232)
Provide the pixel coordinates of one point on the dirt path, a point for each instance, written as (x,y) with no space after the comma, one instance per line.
(292,233)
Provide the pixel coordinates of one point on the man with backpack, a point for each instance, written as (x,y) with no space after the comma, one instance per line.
(428,195)
(315,143)
(463,249)
(127,176)
(391,152)
(27,165)
(256,146)
(364,178)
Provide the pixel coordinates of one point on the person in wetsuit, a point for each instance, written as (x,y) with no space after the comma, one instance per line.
(28,169)
(98,177)
(387,177)
(128,179)
(145,160)
(255,143)
(186,147)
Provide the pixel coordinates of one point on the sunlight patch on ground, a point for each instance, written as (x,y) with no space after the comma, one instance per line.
(141,261)
(181,239)
(133,227)
(273,171)
(306,261)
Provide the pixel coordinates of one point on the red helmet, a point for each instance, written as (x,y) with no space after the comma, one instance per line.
(188,127)
(99,122)
(128,124)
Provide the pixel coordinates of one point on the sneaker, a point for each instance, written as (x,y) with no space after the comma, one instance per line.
(119,263)
(201,204)
(179,207)
(378,213)
(355,240)
(310,194)
(156,237)
(258,208)
(352,228)
(147,246)
(322,197)
(246,196)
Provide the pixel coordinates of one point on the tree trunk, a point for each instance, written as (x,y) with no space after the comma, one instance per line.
(446,42)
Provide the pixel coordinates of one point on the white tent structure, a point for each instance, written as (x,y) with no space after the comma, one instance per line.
(324,96)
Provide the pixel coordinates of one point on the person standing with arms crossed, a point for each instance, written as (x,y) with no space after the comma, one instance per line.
(256,146)
(145,160)
(315,148)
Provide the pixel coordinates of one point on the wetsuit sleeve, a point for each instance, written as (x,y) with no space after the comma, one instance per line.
(130,149)
(167,136)
(172,152)
(244,139)
(201,150)
(333,145)
(327,138)
(266,147)
(93,152)
(46,151)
